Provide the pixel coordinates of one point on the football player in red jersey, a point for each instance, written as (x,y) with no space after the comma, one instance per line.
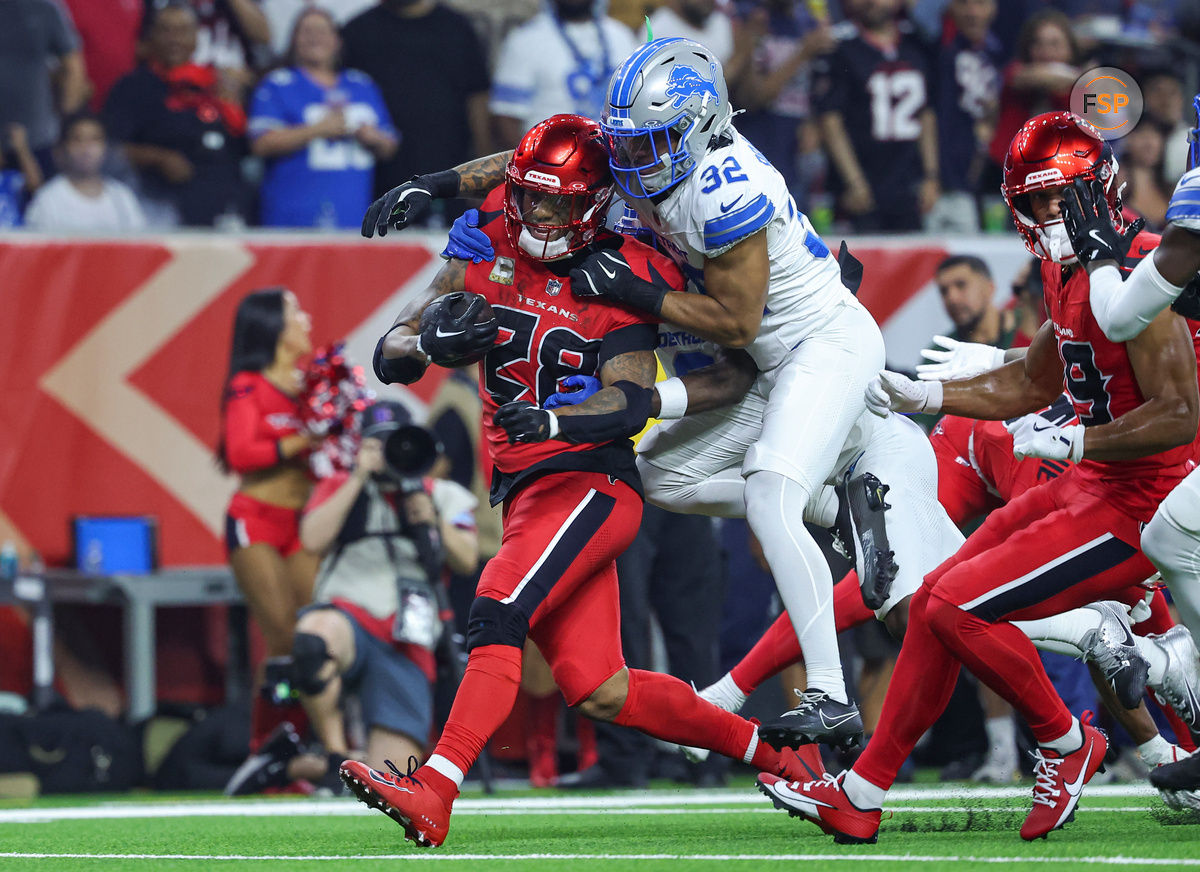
(1057,547)
(571,505)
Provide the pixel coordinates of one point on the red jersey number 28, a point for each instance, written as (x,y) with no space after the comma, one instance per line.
(552,355)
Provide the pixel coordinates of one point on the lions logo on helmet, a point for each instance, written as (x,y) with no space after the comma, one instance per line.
(685,82)
(662,114)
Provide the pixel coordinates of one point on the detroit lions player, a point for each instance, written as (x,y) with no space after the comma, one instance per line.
(766,283)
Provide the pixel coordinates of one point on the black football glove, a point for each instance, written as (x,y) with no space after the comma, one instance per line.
(606,273)
(525,422)
(1089,224)
(404,204)
(852,269)
(450,340)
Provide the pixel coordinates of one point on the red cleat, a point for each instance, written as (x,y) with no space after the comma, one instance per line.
(801,764)
(409,800)
(823,802)
(1060,781)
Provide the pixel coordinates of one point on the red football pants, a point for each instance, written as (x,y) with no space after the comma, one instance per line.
(1054,548)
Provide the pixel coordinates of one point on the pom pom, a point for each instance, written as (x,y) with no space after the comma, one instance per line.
(334,392)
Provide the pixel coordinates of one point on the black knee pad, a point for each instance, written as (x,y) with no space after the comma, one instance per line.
(309,654)
(495,623)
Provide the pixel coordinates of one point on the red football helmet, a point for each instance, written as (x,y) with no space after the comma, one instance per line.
(1050,151)
(557,187)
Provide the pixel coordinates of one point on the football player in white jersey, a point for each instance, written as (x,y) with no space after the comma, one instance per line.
(763,281)
(767,283)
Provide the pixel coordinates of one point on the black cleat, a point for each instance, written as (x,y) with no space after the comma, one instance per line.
(1112,648)
(1179,777)
(818,718)
(863,536)
(268,766)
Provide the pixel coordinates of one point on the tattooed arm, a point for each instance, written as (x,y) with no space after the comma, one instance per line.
(397,358)
(635,367)
(477,177)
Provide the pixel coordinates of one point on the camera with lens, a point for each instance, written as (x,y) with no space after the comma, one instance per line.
(409,450)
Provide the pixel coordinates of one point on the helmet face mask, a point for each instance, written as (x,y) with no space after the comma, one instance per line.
(557,188)
(1194,138)
(1048,154)
(665,104)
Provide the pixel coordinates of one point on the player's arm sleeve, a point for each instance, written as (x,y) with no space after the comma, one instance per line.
(1123,309)
(622,407)
(245,449)
(514,84)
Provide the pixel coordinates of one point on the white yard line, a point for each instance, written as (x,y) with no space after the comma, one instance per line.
(427,856)
(658,802)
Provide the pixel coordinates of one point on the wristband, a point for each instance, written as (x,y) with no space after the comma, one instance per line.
(553,424)
(1078,432)
(443,185)
(934,396)
(672,399)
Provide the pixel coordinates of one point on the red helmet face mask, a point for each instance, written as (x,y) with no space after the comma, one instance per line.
(557,187)
(1051,151)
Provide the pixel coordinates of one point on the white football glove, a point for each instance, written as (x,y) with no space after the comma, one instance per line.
(891,391)
(958,360)
(1034,436)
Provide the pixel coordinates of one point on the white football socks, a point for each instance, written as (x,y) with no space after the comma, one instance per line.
(724,693)
(861,792)
(1069,742)
(775,509)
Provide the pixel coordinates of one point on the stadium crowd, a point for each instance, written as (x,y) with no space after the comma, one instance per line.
(882,115)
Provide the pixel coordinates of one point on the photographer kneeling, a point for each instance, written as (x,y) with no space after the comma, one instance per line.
(385,534)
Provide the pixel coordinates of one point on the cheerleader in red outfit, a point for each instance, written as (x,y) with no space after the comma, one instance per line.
(262,440)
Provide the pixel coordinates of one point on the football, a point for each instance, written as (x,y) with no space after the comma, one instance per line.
(460,313)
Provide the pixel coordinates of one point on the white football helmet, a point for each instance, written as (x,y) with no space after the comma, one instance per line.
(666,103)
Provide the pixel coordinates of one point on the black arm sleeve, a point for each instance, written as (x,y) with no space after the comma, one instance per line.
(635,337)
(402,370)
(610,425)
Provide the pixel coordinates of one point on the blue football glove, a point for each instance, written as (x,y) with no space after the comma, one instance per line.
(585,386)
(467,241)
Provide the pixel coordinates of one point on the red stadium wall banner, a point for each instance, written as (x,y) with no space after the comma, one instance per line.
(114,353)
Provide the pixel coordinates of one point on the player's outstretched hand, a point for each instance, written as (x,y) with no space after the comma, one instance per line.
(891,391)
(404,204)
(956,359)
(582,387)
(606,273)
(1089,224)
(467,241)
(525,422)
(1034,436)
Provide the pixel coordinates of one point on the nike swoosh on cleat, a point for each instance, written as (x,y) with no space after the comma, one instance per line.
(784,792)
(837,723)
(1074,787)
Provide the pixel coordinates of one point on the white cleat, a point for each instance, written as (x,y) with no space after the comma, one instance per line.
(1180,687)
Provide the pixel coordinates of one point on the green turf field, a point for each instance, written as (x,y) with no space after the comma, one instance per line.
(649,831)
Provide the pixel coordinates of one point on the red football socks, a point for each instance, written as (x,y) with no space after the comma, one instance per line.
(666,708)
(484,699)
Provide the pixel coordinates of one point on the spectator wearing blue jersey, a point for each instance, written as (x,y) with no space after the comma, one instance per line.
(20,175)
(321,130)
